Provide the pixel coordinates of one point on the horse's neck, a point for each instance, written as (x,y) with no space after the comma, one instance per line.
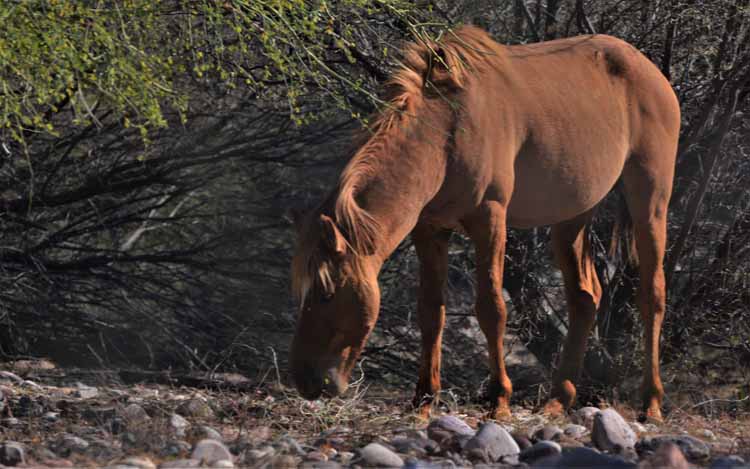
(401,187)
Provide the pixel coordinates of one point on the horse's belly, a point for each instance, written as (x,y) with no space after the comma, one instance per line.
(552,190)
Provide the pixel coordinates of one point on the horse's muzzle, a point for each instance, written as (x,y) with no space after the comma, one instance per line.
(312,382)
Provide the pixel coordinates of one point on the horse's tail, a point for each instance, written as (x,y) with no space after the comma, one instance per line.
(623,237)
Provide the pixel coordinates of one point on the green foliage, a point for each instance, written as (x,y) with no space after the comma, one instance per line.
(138,58)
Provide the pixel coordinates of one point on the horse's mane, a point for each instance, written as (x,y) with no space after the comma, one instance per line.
(427,69)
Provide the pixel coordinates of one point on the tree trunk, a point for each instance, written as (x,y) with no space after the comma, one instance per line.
(550,22)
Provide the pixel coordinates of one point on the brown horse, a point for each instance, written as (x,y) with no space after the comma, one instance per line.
(478,137)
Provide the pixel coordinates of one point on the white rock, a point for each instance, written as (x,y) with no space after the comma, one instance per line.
(180,464)
(585,416)
(141,463)
(135,414)
(611,431)
(12,454)
(378,455)
(491,443)
(179,424)
(223,463)
(575,431)
(210,451)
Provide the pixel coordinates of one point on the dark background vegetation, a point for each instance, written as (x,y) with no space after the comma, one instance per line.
(150,231)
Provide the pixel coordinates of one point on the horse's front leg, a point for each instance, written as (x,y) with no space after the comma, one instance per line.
(488,231)
(432,249)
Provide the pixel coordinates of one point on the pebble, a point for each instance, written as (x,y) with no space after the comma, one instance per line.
(176,448)
(445,429)
(27,407)
(259,434)
(419,447)
(542,449)
(205,432)
(320,465)
(12,377)
(255,455)
(491,443)
(611,432)
(522,440)
(178,424)
(197,408)
(102,449)
(210,451)
(378,455)
(585,416)
(42,453)
(84,391)
(12,454)
(575,431)
(31,384)
(141,463)
(180,464)
(667,456)
(68,444)
(346,456)
(223,463)
(135,414)
(316,456)
(99,415)
(638,427)
(51,417)
(548,433)
(729,462)
(584,458)
(57,463)
(287,444)
(284,461)
(11,422)
(693,448)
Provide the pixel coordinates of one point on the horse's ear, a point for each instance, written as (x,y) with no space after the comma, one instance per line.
(332,237)
(444,69)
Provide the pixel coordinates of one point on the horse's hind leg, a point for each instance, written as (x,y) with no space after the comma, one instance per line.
(583,292)
(487,229)
(648,186)
(432,249)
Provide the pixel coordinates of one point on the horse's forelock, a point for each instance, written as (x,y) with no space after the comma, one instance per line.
(310,267)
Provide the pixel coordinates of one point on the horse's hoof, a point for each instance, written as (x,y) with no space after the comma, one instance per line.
(553,408)
(651,415)
(423,412)
(500,413)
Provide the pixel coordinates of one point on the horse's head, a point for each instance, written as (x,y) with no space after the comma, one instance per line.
(339,300)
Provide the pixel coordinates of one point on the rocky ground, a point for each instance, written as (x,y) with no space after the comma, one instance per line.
(66,418)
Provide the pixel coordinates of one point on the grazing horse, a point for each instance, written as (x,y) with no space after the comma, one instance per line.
(477,137)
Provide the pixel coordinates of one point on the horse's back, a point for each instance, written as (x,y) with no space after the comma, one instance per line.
(546,129)
(587,104)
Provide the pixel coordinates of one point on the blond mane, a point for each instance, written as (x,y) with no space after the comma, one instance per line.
(427,69)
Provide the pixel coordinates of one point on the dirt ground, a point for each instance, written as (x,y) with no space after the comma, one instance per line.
(83,417)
